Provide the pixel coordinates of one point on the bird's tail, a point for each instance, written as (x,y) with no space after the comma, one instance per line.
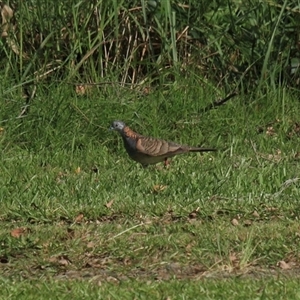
(197,149)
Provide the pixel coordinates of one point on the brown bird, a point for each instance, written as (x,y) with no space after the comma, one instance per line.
(148,150)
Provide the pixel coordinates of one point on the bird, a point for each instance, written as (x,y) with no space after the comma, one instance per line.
(148,150)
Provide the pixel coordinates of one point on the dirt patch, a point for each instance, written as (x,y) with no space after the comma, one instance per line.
(172,271)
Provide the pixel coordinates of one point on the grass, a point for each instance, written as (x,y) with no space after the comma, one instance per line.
(208,289)
(80,219)
(236,44)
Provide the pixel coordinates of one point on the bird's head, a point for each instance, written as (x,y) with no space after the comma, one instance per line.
(118,126)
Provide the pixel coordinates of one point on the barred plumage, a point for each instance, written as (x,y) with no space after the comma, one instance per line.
(149,150)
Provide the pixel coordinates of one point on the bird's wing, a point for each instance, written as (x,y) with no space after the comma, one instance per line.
(157,147)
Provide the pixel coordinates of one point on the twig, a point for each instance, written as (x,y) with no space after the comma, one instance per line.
(29,96)
(128,229)
(217,103)
(85,117)
(284,186)
(81,112)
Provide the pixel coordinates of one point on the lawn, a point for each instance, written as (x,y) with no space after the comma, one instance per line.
(80,220)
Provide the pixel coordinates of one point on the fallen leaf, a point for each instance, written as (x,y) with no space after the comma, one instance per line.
(112,279)
(90,245)
(146,90)
(63,262)
(270,208)
(79,218)
(53,259)
(78,170)
(297,155)
(189,247)
(158,188)
(83,89)
(255,214)
(127,261)
(247,223)
(17,232)
(294,130)
(6,14)
(234,260)
(80,90)
(283,265)
(193,214)
(274,157)
(234,222)
(233,257)
(110,203)
(270,131)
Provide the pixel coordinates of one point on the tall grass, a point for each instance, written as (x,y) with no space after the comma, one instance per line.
(243,43)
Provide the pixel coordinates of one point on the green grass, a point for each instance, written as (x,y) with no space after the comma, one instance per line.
(206,289)
(93,224)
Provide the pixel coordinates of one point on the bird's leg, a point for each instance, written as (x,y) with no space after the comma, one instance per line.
(166,162)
